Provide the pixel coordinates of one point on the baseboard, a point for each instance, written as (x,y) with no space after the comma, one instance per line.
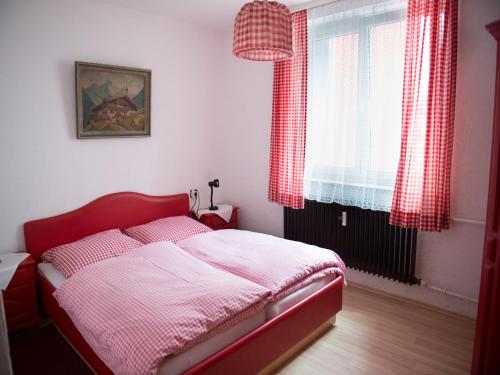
(416,294)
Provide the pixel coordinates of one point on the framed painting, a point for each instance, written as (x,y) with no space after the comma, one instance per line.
(112,101)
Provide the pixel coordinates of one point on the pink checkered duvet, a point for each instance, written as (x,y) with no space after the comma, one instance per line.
(136,309)
(283,266)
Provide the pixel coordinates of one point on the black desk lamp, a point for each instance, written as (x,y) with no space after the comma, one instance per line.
(212,184)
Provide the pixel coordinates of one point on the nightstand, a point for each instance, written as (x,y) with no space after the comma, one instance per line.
(19,298)
(215,222)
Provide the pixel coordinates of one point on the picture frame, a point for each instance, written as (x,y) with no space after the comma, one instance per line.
(112,101)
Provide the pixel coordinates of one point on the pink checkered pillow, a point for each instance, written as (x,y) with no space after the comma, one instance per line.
(174,229)
(72,257)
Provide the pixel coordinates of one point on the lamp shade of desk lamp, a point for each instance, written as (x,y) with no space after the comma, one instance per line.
(212,184)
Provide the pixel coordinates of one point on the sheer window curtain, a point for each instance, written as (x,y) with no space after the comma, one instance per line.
(356,61)
(422,191)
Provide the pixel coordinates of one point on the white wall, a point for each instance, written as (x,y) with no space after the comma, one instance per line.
(449,260)
(241,140)
(44,169)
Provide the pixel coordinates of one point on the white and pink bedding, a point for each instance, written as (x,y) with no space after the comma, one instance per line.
(153,302)
(283,266)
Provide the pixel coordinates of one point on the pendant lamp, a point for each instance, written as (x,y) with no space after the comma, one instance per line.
(263,32)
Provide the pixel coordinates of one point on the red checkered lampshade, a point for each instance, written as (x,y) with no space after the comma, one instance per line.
(263,32)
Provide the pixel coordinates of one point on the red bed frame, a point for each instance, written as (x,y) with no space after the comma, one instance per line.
(248,355)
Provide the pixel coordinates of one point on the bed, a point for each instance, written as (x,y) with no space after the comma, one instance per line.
(260,347)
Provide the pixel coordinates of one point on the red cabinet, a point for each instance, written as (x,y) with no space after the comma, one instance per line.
(19,298)
(215,222)
(486,359)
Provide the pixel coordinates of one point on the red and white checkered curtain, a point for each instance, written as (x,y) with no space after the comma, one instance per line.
(288,132)
(422,191)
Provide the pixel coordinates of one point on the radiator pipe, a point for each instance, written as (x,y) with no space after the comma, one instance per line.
(468,221)
(447,292)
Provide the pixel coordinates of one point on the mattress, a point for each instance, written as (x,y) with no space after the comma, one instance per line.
(52,274)
(277,307)
(187,359)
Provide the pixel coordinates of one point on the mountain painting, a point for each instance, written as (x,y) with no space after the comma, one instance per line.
(112,101)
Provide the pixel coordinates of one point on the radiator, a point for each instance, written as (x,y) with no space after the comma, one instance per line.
(367,242)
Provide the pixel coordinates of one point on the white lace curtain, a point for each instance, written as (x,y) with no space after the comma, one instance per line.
(356,61)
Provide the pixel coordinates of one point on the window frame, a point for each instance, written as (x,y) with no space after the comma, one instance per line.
(354,175)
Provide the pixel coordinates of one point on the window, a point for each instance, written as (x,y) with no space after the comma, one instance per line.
(356,61)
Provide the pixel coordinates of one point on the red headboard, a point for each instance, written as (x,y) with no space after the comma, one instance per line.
(119,210)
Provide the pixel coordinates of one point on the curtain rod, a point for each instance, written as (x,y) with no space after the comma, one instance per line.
(320,3)
(315,4)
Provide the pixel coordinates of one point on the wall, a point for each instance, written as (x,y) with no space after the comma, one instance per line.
(449,260)
(45,170)
(241,140)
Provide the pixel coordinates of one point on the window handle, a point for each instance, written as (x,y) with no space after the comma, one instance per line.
(343,218)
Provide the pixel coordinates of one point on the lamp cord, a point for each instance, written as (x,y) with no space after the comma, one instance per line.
(198,198)
(195,200)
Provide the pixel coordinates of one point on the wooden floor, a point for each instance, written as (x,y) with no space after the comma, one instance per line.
(378,334)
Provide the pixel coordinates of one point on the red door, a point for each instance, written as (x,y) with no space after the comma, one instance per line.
(486,358)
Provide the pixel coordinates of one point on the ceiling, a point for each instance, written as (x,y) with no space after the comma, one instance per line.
(216,14)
